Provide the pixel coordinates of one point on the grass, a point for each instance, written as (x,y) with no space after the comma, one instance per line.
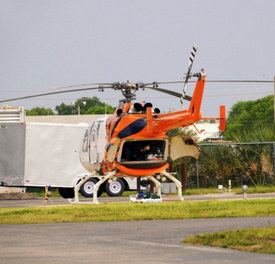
(257,189)
(261,240)
(251,190)
(40,192)
(132,211)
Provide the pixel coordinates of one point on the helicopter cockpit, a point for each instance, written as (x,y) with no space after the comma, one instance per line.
(141,153)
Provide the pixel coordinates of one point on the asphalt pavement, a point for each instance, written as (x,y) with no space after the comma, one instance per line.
(151,242)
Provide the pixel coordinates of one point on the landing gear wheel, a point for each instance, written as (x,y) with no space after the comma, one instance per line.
(66,193)
(116,188)
(87,188)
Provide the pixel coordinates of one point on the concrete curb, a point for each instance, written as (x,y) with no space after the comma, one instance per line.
(17,196)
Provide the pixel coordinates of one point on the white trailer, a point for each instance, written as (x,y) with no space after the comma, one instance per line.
(43,154)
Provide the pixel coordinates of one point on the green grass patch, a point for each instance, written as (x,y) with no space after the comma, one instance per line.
(133,211)
(251,190)
(200,191)
(257,189)
(261,240)
(40,192)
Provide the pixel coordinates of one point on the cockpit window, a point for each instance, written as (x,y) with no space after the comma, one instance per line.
(85,142)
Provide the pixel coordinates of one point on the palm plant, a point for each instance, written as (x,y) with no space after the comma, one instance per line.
(256,160)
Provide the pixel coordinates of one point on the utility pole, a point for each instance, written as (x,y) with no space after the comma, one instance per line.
(274,97)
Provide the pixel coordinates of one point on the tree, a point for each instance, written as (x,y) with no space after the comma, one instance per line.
(216,164)
(39,111)
(256,161)
(85,106)
(250,115)
(64,109)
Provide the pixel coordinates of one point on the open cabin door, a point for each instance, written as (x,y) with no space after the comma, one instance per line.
(112,150)
(183,146)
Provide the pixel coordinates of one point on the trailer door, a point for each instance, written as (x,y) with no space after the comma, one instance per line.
(12,154)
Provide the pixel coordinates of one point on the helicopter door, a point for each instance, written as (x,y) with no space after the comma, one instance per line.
(101,141)
(93,143)
(112,150)
(183,146)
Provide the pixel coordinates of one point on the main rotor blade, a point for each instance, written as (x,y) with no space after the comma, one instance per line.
(51,93)
(214,81)
(238,81)
(162,90)
(78,85)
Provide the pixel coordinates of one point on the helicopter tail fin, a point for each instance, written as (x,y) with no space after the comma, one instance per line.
(195,104)
(188,74)
(222,118)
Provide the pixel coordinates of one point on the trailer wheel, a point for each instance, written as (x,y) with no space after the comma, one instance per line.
(66,193)
(87,188)
(116,188)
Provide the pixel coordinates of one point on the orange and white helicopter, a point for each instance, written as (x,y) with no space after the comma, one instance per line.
(133,142)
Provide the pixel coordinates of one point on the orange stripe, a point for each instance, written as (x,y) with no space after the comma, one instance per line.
(140,172)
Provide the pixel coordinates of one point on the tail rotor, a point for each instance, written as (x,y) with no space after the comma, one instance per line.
(188,74)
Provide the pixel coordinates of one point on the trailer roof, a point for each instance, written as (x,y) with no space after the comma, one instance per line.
(63,119)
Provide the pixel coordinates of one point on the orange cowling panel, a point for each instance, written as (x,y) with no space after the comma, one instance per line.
(140,172)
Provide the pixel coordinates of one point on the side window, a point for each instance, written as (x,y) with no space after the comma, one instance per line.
(93,131)
(85,142)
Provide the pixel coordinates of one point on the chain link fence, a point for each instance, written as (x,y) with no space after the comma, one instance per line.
(220,162)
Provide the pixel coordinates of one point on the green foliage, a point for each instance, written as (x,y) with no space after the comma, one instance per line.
(251,121)
(258,134)
(64,109)
(39,111)
(216,165)
(85,106)
(245,116)
(255,161)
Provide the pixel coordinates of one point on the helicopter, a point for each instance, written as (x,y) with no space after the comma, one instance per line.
(133,141)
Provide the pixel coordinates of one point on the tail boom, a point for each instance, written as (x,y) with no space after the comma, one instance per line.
(165,122)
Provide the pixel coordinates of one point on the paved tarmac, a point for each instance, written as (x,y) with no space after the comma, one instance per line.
(124,242)
(151,242)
